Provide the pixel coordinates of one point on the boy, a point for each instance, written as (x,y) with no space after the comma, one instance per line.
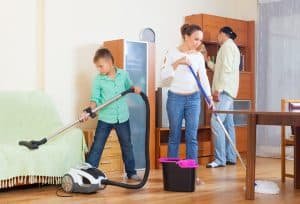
(110,82)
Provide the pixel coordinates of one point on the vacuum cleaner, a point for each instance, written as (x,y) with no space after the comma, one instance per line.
(85,178)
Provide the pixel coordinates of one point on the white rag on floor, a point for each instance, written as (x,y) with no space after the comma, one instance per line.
(266,187)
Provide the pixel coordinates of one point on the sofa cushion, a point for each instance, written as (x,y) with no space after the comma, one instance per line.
(29,114)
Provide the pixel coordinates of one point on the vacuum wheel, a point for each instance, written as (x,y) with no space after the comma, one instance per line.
(67,183)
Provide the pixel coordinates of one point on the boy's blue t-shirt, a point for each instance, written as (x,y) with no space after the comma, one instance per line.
(105,88)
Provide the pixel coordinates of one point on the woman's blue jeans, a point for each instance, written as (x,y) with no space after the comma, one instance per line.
(181,107)
(101,135)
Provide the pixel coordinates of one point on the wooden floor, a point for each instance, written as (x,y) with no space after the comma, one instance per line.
(222,185)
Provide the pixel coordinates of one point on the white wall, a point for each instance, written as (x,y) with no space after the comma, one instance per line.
(74,29)
(18,45)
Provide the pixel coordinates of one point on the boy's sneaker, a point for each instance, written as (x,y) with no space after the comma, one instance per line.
(135,177)
(214,165)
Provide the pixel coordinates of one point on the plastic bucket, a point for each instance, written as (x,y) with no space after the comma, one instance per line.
(179,175)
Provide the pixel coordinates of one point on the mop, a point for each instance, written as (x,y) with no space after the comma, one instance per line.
(266,187)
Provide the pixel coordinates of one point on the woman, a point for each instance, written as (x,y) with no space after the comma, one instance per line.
(184,101)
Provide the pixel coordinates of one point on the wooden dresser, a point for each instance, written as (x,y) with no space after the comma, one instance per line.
(111,159)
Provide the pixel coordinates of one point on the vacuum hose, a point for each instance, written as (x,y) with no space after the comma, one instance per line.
(147,170)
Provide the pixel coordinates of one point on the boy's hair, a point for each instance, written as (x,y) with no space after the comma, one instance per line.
(103,53)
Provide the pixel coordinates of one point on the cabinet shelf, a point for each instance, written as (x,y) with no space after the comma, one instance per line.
(215,43)
(245,72)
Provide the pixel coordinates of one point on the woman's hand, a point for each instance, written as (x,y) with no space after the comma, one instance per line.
(211,105)
(216,96)
(207,58)
(184,60)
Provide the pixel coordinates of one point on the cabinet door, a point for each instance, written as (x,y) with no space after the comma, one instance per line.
(136,58)
(211,27)
(245,86)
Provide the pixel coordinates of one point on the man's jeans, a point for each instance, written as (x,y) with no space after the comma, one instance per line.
(187,107)
(101,135)
(223,149)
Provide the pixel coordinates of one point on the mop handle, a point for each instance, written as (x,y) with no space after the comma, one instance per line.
(208,101)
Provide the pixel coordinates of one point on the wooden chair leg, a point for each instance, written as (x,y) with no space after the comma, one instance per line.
(283,160)
(284,142)
(282,145)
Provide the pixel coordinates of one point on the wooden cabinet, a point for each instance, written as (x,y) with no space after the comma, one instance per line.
(111,159)
(245,40)
(240,28)
(195,19)
(245,86)
(211,25)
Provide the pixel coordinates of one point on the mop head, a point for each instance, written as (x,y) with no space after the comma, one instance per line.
(266,187)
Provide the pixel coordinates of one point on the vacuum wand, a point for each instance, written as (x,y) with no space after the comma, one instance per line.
(209,102)
(34,144)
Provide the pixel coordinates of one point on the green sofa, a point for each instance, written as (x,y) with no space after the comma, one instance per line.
(31,116)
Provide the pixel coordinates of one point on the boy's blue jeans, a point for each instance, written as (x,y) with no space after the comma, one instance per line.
(223,149)
(101,135)
(187,107)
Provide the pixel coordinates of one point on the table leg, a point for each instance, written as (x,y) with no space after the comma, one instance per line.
(251,155)
(296,158)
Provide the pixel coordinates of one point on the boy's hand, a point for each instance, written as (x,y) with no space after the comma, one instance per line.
(137,89)
(88,112)
(84,117)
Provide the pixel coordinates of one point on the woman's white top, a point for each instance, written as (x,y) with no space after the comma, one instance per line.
(181,80)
